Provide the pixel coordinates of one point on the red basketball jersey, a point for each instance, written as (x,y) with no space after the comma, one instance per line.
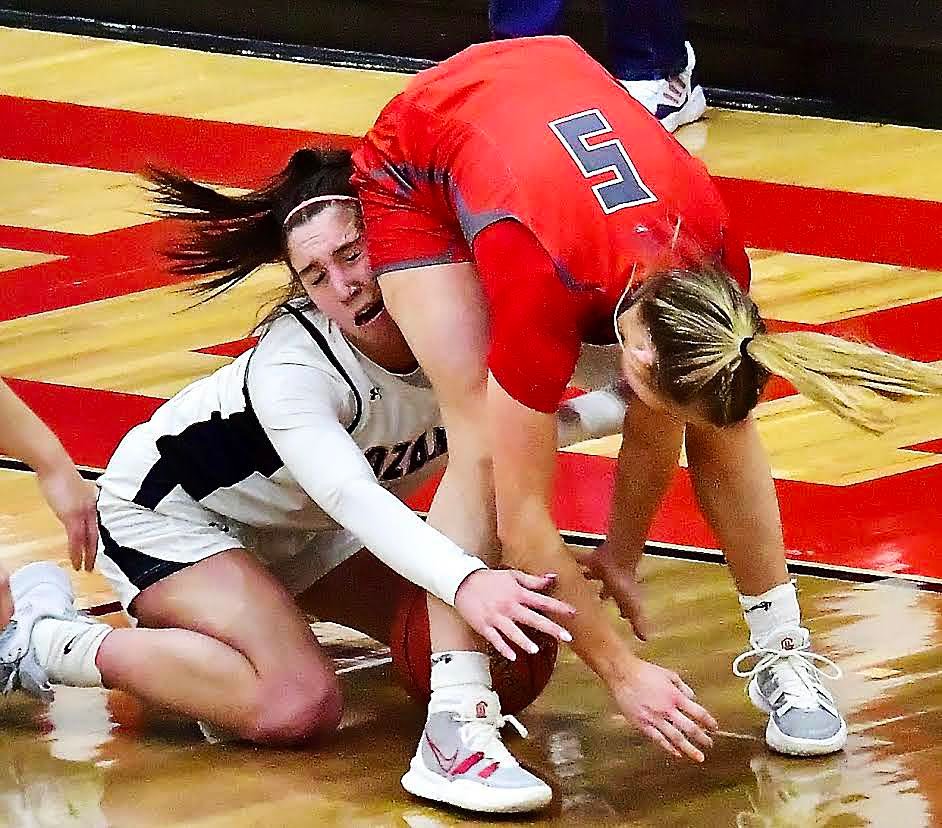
(537,131)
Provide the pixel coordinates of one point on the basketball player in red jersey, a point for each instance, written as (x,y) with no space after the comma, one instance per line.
(519,204)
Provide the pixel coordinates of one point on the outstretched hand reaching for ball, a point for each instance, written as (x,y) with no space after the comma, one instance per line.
(496,603)
(662,707)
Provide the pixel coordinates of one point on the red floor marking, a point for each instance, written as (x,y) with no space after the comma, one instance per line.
(932,446)
(890,524)
(776,388)
(839,224)
(911,330)
(90,423)
(230,349)
(98,267)
(85,136)
(51,242)
(866,228)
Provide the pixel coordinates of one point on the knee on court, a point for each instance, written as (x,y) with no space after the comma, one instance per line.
(293,711)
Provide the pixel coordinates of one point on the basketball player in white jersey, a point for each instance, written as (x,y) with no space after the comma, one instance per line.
(249,495)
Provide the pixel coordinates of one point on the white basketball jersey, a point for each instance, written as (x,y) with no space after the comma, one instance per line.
(205,450)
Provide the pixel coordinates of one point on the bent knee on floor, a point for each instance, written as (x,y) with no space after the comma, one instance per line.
(295,711)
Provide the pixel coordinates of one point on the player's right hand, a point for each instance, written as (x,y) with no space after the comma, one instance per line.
(660,705)
(496,603)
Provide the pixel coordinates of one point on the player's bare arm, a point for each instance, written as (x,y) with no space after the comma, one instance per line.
(654,700)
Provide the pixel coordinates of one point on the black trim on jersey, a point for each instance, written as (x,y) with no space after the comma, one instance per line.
(209,455)
(322,343)
(141,570)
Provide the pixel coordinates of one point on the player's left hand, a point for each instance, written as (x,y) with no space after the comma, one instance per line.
(498,603)
(73,501)
(618,583)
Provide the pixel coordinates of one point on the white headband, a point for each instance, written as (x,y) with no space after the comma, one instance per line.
(309,201)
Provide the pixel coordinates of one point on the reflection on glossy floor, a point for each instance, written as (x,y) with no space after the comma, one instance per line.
(94,759)
(91,333)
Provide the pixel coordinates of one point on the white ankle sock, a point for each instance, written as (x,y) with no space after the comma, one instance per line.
(453,668)
(772,610)
(67,650)
(596,414)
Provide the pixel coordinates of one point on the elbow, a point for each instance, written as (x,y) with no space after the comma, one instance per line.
(337,498)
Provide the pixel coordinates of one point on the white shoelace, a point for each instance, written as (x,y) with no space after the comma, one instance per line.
(484,735)
(798,677)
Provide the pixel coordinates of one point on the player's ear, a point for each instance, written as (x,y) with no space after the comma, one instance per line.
(642,352)
(635,338)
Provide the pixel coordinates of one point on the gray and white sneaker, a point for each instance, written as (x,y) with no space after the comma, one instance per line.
(461,760)
(786,683)
(674,101)
(39,590)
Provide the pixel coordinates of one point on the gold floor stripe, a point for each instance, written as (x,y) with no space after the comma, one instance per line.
(70,199)
(814,152)
(141,343)
(169,81)
(13,259)
(814,289)
(806,443)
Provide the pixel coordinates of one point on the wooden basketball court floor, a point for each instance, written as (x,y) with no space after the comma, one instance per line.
(842,219)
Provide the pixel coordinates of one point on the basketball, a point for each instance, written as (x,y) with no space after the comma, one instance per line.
(517,683)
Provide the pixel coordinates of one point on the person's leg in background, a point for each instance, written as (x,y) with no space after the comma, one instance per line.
(525,18)
(652,59)
(647,49)
(645,38)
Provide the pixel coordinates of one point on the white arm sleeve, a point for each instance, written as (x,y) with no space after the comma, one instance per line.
(302,415)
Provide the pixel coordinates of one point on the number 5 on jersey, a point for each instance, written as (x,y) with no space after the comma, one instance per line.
(626,189)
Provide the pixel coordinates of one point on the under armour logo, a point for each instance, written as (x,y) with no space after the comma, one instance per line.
(764,605)
(376,393)
(481,710)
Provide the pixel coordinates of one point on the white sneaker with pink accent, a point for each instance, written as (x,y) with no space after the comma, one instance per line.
(461,760)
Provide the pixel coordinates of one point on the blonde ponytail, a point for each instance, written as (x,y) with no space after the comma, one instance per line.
(848,378)
(712,350)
